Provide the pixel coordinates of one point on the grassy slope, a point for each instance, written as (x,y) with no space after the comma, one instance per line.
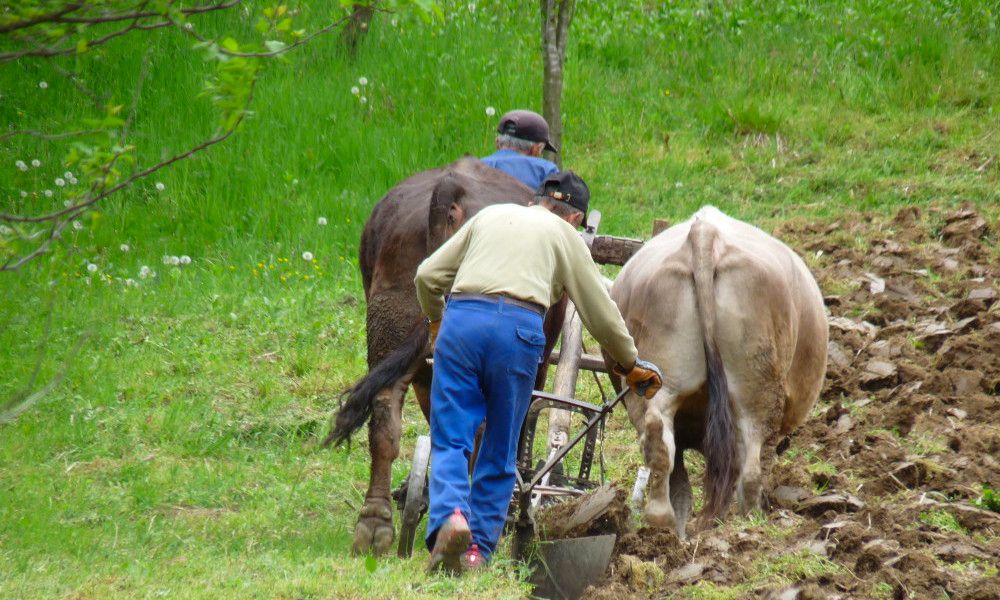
(178,458)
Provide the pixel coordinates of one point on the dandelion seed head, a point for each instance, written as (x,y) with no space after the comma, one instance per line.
(43,84)
(60,182)
(47,193)
(355,90)
(130,282)
(92,267)
(307,255)
(363,100)
(490,111)
(185,259)
(68,175)
(21,165)
(77,225)
(321,221)
(67,203)
(145,272)
(73,180)
(4,230)
(160,187)
(36,163)
(363,80)
(189,26)
(124,248)
(24,194)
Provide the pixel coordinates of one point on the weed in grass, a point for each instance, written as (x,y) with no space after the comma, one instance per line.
(943,520)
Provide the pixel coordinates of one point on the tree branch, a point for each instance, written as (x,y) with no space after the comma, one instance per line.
(45,18)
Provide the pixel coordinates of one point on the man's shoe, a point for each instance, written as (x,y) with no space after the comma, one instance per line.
(473,559)
(453,540)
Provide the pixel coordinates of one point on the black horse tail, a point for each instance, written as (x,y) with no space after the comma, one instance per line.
(720,436)
(357,403)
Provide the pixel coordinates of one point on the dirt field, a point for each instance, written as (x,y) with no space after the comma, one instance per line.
(874,495)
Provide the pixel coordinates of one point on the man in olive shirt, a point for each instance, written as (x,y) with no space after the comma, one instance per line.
(504,268)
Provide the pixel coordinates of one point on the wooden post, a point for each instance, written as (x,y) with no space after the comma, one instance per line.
(659,225)
(567,373)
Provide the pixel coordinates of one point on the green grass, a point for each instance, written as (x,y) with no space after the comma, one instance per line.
(179,456)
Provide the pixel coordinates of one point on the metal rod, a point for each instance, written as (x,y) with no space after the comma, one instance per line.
(602,412)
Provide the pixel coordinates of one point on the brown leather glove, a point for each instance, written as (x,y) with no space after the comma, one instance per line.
(433,327)
(644,378)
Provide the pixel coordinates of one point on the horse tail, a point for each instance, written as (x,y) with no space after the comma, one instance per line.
(357,403)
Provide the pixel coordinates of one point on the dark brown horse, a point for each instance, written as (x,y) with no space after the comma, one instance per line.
(406,226)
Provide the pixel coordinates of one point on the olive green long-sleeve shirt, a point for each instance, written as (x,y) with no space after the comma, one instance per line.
(530,254)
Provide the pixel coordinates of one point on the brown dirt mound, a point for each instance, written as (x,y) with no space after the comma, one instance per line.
(874,496)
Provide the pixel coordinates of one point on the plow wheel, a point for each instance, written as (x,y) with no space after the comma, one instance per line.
(416,496)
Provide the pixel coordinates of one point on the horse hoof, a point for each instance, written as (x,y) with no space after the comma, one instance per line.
(373,532)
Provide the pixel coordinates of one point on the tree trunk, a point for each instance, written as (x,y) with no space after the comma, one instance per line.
(556,17)
(356,27)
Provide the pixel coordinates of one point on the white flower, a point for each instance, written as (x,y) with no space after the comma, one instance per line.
(321,221)
(189,26)
(21,166)
(130,282)
(185,259)
(73,180)
(363,100)
(363,80)
(68,175)
(395,22)
(36,163)
(47,193)
(233,316)
(307,255)
(490,111)
(679,184)
(124,248)
(43,85)
(472,7)
(77,225)
(355,90)
(160,187)
(92,267)
(67,203)
(60,182)
(145,272)
(24,194)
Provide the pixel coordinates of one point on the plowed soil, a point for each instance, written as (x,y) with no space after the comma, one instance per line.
(875,496)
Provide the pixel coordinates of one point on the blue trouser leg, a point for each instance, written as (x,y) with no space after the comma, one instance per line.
(484,366)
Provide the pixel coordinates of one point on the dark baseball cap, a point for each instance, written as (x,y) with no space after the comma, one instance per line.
(526,125)
(566,186)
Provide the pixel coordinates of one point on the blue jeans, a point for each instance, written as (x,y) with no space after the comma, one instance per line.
(485,360)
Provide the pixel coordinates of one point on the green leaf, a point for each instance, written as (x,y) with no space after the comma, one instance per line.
(370,563)
(285,24)
(231,45)
(275,45)
(81,45)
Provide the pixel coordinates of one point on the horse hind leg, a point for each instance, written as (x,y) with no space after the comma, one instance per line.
(374,530)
